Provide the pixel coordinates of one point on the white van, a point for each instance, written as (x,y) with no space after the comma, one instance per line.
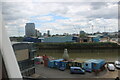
(117,64)
(111,67)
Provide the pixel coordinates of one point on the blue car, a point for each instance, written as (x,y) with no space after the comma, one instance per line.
(77,70)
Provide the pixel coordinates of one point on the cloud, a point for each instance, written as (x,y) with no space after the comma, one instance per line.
(98,5)
(60,17)
(107,12)
(44,18)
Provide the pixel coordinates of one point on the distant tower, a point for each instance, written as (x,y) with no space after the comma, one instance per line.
(81,33)
(44,34)
(40,34)
(37,33)
(48,33)
(30,30)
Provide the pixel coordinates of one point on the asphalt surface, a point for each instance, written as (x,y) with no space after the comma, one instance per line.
(46,72)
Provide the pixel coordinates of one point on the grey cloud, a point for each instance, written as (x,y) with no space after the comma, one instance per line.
(104,12)
(13,11)
(111,15)
(98,5)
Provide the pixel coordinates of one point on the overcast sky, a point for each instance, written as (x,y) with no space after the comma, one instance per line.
(60,17)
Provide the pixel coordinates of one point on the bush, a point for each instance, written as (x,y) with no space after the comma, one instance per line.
(76,45)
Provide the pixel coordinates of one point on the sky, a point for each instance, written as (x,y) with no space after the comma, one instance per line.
(60,17)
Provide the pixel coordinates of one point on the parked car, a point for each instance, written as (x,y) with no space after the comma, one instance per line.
(117,64)
(38,60)
(62,68)
(76,70)
(111,67)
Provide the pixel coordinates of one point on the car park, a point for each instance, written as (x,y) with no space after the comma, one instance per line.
(117,64)
(76,70)
(111,67)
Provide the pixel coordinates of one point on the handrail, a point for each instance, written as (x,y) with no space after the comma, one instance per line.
(8,55)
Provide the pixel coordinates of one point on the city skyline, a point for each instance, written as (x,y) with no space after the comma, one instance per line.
(62,17)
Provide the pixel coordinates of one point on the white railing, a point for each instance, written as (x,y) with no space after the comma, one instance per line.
(8,55)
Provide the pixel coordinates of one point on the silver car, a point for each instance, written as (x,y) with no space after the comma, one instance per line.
(117,64)
(111,67)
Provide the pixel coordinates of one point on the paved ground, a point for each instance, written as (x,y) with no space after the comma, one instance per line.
(46,72)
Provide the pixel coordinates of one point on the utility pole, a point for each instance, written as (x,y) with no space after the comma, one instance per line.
(18,31)
(104,28)
(92,29)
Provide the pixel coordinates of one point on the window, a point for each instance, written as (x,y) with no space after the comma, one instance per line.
(77,69)
(86,64)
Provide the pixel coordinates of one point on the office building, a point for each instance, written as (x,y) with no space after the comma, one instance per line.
(30,30)
(48,33)
(37,33)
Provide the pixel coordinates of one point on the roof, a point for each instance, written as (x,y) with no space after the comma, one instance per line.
(92,36)
(95,60)
(58,60)
(19,42)
(111,65)
(117,62)
(79,60)
(75,67)
(59,39)
(90,61)
(99,61)
(97,35)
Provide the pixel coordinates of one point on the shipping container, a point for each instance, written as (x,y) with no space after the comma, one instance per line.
(54,63)
(98,64)
(93,64)
(51,64)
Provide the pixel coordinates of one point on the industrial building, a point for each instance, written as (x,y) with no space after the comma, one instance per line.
(60,39)
(24,54)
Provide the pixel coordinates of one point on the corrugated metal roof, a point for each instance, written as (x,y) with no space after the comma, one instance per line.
(59,39)
(99,60)
(91,60)
(95,60)
(58,60)
(19,42)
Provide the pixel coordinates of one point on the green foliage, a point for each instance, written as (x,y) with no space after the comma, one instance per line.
(76,45)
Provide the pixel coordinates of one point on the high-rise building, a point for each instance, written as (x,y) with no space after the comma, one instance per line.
(37,33)
(44,34)
(30,30)
(82,32)
(48,33)
(40,34)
